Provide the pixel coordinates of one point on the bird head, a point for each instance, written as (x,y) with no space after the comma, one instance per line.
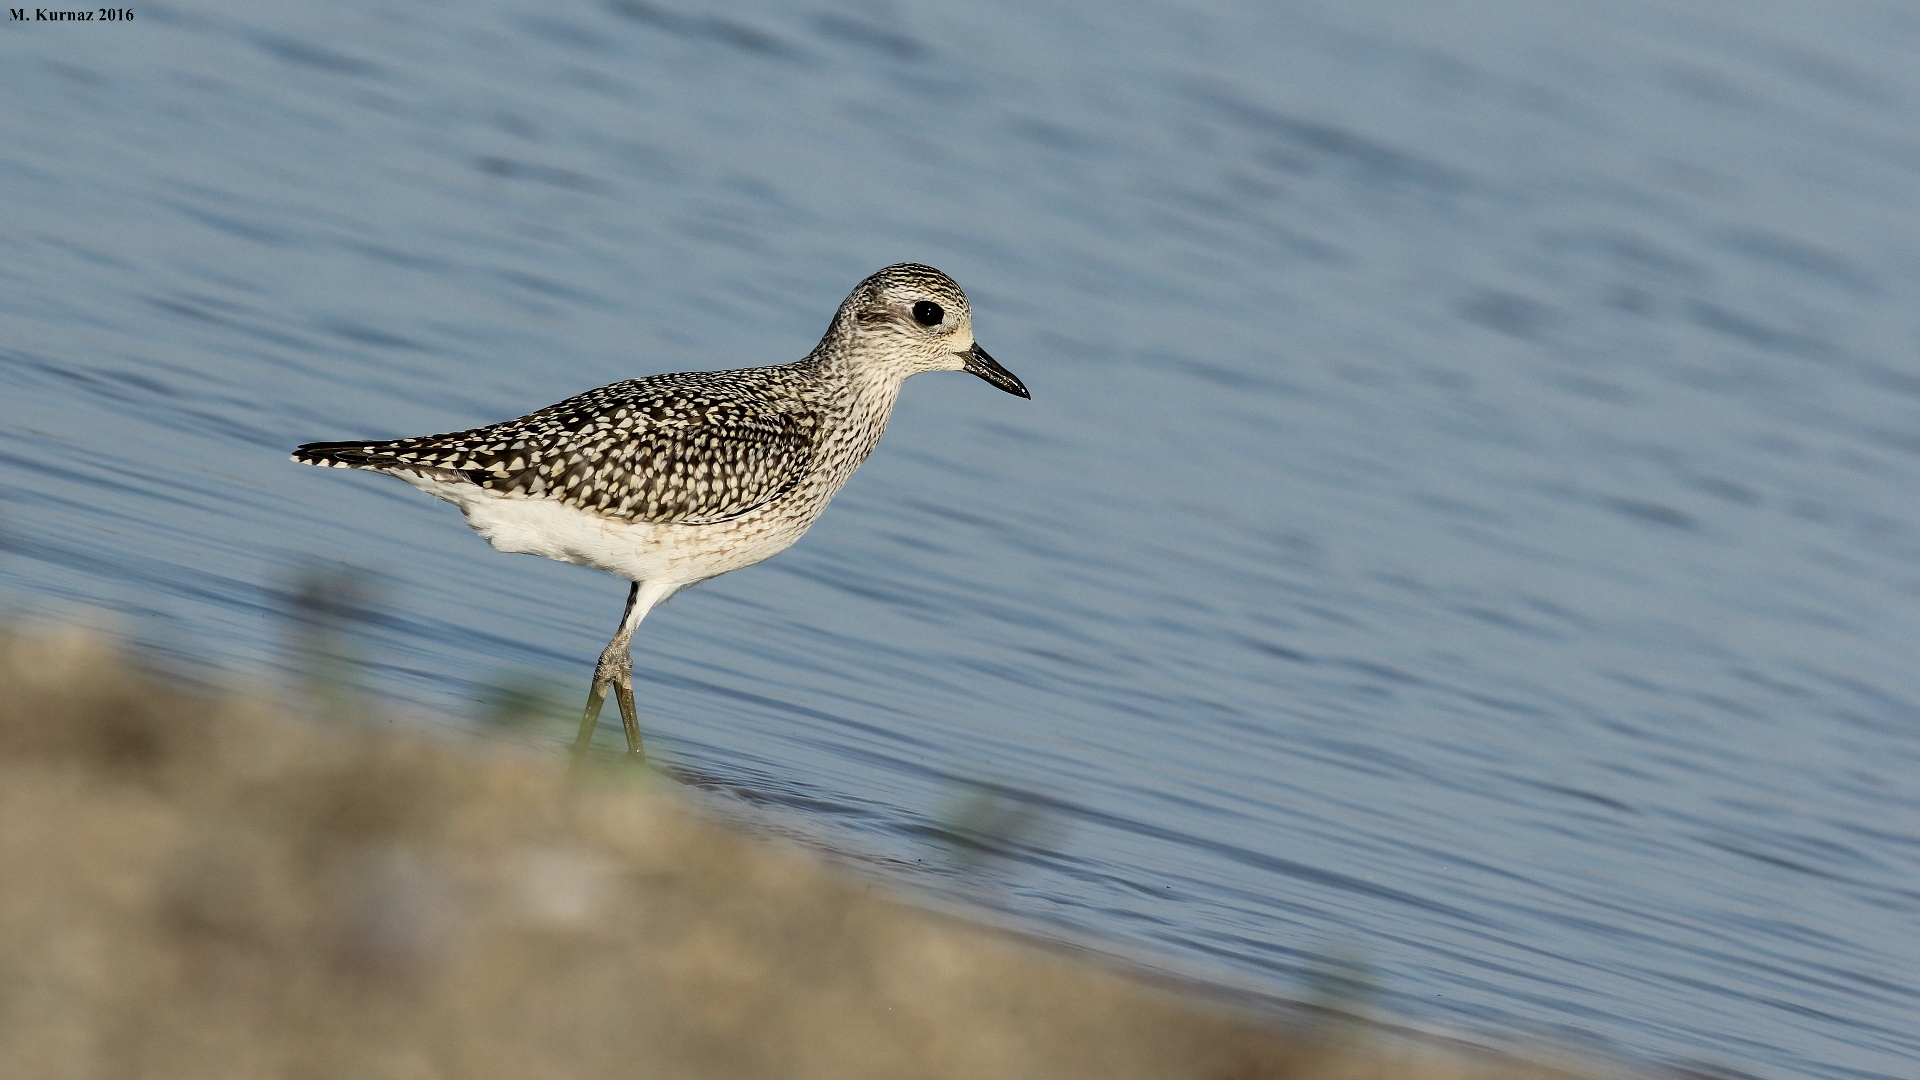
(909,318)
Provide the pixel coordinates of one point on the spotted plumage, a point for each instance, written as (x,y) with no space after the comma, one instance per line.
(688,448)
(667,480)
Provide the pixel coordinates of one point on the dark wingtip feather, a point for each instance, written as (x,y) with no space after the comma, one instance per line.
(335,453)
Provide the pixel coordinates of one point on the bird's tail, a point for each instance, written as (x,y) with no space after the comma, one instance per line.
(378,457)
(344,455)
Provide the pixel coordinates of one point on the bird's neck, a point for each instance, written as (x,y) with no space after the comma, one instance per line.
(863,396)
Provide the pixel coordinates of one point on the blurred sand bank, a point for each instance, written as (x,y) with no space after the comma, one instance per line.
(193,887)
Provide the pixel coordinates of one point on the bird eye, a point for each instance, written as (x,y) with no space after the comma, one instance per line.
(928,313)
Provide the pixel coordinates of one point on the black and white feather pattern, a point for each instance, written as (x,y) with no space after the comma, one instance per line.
(690,448)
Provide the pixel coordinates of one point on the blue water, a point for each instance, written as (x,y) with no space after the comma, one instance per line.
(1466,514)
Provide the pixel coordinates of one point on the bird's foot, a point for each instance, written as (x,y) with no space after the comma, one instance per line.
(615,672)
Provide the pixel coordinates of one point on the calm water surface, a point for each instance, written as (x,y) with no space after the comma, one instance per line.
(1466,514)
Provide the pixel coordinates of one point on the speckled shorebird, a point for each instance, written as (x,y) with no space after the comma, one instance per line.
(669,480)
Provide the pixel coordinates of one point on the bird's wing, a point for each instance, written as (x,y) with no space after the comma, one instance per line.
(687,449)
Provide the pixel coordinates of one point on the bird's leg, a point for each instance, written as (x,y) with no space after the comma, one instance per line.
(629,714)
(615,667)
(615,672)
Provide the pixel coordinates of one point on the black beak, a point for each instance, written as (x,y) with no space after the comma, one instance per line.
(979,363)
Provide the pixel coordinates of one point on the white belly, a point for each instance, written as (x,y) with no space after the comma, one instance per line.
(638,551)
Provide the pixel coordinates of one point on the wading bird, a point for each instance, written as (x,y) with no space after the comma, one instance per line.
(668,480)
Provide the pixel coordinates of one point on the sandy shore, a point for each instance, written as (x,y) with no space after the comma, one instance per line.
(193,887)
